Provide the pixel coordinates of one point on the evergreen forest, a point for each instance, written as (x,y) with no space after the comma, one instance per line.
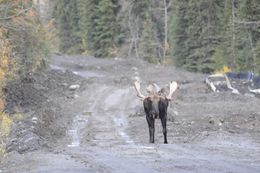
(198,35)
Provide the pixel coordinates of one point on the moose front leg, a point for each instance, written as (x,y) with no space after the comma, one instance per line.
(150,122)
(164,121)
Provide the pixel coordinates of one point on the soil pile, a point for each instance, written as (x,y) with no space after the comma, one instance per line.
(38,98)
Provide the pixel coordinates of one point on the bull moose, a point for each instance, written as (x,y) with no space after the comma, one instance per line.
(155,106)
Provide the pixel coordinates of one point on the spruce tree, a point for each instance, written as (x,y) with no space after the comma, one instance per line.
(249,16)
(196,34)
(104,39)
(148,24)
(224,54)
(67,19)
(148,44)
(242,54)
(75,30)
(179,33)
(87,23)
(64,28)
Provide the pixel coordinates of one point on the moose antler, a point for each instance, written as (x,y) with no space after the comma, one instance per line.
(173,88)
(137,88)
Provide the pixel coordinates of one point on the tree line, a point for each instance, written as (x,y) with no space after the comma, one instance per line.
(199,35)
(208,35)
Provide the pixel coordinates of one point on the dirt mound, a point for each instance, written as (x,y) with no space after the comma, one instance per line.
(37,88)
(39,97)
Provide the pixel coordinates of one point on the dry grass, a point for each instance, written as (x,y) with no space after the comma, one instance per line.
(5,128)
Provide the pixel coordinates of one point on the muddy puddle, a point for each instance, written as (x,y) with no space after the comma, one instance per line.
(75,132)
(121,124)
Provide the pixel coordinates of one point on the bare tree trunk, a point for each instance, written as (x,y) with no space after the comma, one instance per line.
(233,32)
(165,47)
(131,33)
(136,39)
(134,30)
(130,47)
(252,49)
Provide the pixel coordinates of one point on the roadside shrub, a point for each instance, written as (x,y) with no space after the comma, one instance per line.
(27,36)
(24,49)
(5,71)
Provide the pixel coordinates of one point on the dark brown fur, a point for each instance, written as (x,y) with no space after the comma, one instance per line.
(154,107)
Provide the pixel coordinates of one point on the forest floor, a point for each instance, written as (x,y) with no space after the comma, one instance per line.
(98,124)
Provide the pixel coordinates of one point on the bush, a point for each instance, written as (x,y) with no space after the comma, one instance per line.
(5,71)
(24,48)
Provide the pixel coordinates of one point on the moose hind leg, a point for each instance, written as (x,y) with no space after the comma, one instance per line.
(150,122)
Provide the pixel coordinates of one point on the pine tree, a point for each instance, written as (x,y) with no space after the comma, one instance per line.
(148,44)
(209,39)
(249,16)
(60,13)
(224,54)
(99,29)
(74,22)
(67,19)
(141,8)
(196,34)
(104,39)
(87,23)
(147,18)
(240,55)
(179,25)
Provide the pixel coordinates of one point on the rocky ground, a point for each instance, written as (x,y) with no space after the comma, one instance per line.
(83,115)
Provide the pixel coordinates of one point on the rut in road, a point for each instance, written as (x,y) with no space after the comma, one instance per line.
(106,118)
(106,141)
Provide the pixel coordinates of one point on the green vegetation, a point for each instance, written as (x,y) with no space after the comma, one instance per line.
(88,26)
(24,48)
(211,34)
(67,16)
(199,35)
(22,29)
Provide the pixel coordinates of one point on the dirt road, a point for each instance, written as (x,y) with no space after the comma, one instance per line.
(210,132)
